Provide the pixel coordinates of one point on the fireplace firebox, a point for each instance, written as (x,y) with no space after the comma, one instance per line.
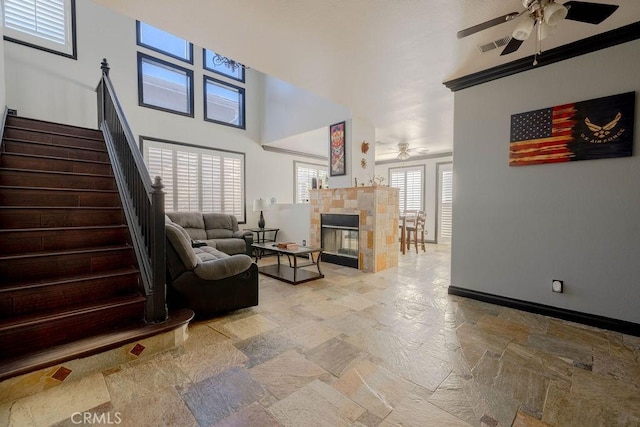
(340,235)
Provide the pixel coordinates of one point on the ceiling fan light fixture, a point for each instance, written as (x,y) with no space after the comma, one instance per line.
(554,13)
(403,155)
(524,28)
(547,30)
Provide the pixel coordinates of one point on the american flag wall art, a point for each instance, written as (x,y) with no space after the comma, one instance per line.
(595,129)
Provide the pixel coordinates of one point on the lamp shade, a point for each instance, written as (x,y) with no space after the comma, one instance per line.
(554,13)
(524,28)
(260,205)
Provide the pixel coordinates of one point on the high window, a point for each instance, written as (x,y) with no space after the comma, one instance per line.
(410,181)
(304,174)
(164,86)
(43,24)
(224,103)
(196,178)
(156,39)
(212,63)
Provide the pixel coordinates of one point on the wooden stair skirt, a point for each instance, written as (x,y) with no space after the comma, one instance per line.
(67,268)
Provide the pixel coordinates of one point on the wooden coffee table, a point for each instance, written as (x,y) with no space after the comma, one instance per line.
(293,272)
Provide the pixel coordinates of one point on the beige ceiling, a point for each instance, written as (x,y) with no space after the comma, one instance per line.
(384,59)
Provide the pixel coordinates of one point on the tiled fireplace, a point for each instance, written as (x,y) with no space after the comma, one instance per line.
(377,210)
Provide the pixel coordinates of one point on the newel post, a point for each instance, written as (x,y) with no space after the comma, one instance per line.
(104,66)
(156,310)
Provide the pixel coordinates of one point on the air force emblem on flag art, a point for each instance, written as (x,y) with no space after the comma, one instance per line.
(595,129)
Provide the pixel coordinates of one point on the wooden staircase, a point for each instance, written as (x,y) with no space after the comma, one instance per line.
(67,268)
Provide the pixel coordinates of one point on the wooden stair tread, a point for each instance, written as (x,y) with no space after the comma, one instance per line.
(55,189)
(69,279)
(30,120)
(88,346)
(48,144)
(40,156)
(66,252)
(113,208)
(48,132)
(46,229)
(53,172)
(52,315)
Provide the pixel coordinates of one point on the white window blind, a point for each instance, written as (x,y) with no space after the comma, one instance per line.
(42,23)
(446,204)
(305,172)
(198,179)
(410,182)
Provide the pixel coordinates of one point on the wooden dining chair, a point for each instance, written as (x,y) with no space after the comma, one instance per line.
(408,218)
(414,226)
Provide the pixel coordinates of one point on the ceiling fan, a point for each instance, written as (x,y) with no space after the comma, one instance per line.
(404,152)
(545,14)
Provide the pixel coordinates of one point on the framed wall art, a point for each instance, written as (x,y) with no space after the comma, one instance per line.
(337,161)
(599,128)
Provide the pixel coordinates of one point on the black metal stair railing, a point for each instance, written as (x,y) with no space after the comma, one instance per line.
(142,200)
(3,120)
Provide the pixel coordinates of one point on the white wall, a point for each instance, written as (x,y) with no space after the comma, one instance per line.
(293,220)
(293,110)
(2,81)
(517,228)
(51,87)
(430,185)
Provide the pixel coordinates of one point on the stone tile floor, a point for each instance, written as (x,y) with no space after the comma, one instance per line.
(383,349)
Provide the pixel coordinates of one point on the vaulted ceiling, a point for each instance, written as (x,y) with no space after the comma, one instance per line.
(385,60)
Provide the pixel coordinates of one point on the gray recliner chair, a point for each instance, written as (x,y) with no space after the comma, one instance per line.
(205,279)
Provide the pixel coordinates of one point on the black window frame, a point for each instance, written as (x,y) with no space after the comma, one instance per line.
(241,90)
(189,72)
(204,65)
(74,45)
(164,52)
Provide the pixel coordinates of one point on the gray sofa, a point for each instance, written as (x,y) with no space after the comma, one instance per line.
(219,231)
(205,279)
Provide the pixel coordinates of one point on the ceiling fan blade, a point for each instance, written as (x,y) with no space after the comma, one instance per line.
(512,46)
(591,13)
(493,22)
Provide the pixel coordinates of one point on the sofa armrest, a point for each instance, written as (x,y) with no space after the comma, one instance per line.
(247,236)
(222,268)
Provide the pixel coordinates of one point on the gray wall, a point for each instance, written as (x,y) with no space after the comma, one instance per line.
(517,228)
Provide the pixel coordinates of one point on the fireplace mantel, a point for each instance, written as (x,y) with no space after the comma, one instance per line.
(377,207)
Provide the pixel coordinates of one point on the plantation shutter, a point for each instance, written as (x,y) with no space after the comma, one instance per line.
(198,179)
(410,183)
(304,174)
(42,18)
(446,204)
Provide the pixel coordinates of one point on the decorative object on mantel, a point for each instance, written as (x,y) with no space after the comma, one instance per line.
(363,163)
(594,129)
(376,180)
(364,147)
(337,161)
(260,205)
(356,181)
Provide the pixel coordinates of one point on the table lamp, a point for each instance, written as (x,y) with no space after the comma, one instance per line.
(260,205)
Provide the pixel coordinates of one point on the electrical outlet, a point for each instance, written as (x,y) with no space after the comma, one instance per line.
(557,286)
